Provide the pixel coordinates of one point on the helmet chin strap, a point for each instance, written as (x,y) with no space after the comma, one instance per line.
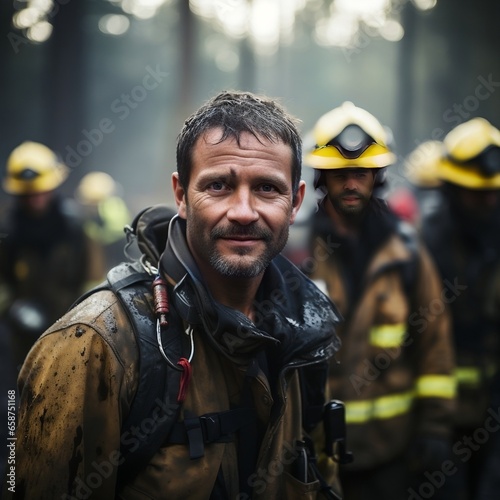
(379,176)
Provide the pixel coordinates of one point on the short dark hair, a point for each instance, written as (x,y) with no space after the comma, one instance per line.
(235,113)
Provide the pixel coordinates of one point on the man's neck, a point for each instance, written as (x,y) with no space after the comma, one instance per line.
(236,293)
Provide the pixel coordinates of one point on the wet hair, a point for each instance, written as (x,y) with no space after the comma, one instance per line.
(235,113)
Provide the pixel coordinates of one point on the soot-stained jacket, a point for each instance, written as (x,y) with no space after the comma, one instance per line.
(80,379)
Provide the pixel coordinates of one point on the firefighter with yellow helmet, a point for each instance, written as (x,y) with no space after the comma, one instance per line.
(463,236)
(420,170)
(395,368)
(46,261)
(105,213)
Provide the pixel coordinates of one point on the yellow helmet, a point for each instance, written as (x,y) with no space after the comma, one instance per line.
(33,168)
(95,187)
(349,137)
(421,165)
(472,155)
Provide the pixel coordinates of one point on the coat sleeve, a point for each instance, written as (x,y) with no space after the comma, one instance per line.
(74,389)
(430,322)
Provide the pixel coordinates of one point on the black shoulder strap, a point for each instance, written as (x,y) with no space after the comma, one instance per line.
(154,409)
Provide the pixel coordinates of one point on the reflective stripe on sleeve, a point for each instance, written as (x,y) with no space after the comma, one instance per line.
(358,412)
(388,335)
(468,375)
(436,386)
(385,407)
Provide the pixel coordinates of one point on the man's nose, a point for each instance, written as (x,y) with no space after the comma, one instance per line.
(242,208)
(350,183)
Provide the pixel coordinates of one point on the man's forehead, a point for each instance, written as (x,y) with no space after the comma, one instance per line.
(214,135)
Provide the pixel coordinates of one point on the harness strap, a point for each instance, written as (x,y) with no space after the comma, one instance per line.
(324,487)
(209,428)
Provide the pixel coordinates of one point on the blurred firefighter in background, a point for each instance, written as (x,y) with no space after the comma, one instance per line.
(463,235)
(46,261)
(395,368)
(421,171)
(105,213)
(422,195)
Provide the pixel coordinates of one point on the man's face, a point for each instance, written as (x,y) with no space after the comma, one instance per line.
(238,204)
(480,203)
(36,204)
(349,190)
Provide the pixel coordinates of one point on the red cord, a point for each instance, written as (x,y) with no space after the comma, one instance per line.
(185,379)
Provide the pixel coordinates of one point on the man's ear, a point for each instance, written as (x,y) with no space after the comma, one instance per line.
(179,194)
(297,200)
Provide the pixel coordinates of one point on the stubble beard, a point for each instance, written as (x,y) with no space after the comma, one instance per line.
(353,212)
(238,266)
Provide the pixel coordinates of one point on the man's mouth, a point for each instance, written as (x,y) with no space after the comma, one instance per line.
(241,240)
(350,198)
(241,234)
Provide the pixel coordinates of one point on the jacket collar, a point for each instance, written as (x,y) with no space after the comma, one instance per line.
(294,318)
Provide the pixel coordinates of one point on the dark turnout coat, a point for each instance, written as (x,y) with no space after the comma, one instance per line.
(395,368)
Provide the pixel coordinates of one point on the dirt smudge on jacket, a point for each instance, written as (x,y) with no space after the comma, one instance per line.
(76,458)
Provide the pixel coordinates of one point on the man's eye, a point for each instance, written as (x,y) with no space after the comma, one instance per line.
(267,188)
(216,186)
